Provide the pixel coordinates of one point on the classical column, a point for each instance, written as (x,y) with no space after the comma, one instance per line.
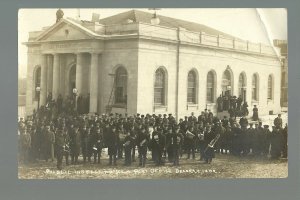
(43,93)
(49,73)
(94,83)
(79,58)
(55,89)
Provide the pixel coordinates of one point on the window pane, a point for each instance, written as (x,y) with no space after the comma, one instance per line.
(270,84)
(159,87)
(191,90)
(210,87)
(121,85)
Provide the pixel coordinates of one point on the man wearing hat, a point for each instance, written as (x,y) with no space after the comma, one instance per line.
(129,144)
(75,144)
(98,144)
(112,144)
(190,139)
(175,143)
(159,144)
(25,145)
(276,143)
(48,143)
(62,147)
(267,140)
(255,113)
(278,121)
(142,143)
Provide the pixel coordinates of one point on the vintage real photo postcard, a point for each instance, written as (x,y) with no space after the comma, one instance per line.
(152,93)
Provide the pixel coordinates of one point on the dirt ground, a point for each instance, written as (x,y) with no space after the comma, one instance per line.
(223,166)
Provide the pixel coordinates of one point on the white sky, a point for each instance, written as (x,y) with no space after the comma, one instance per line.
(256,25)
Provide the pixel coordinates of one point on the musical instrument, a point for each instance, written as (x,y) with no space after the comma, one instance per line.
(156,138)
(143,142)
(212,143)
(122,137)
(189,135)
(66,148)
(201,136)
(126,144)
(95,148)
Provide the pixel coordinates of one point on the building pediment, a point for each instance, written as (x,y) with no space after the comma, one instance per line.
(66,30)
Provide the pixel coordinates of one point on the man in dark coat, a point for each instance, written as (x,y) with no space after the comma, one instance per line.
(190,139)
(84,142)
(285,142)
(209,152)
(175,143)
(122,135)
(142,142)
(159,143)
(237,140)
(220,104)
(239,102)
(112,144)
(267,140)
(255,113)
(25,145)
(75,144)
(61,146)
(98,144)
(49,139)
(129,144)
(278,121)
(276,142)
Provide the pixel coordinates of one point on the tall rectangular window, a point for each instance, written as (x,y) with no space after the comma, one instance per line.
(159,87)
(121,86)
(270,88)
(210,85)
(191,90)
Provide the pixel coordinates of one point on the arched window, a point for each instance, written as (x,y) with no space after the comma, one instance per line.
(255,87)
(226,82)
(37,81)
(160,87)
(210,87)
(242,85)
(270,87)
(191,89)
(121,86)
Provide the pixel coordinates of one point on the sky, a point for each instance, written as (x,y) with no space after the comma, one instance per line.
(256,25)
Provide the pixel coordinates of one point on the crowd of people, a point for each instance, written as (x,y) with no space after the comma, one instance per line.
(236,107)
(71,105)
(45,136)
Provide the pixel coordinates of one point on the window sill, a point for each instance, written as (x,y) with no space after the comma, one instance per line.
(192,106)
(211,104)
(160,108)
(119,106)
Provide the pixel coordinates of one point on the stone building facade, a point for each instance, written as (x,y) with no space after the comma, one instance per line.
(128,65)
(282,44)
